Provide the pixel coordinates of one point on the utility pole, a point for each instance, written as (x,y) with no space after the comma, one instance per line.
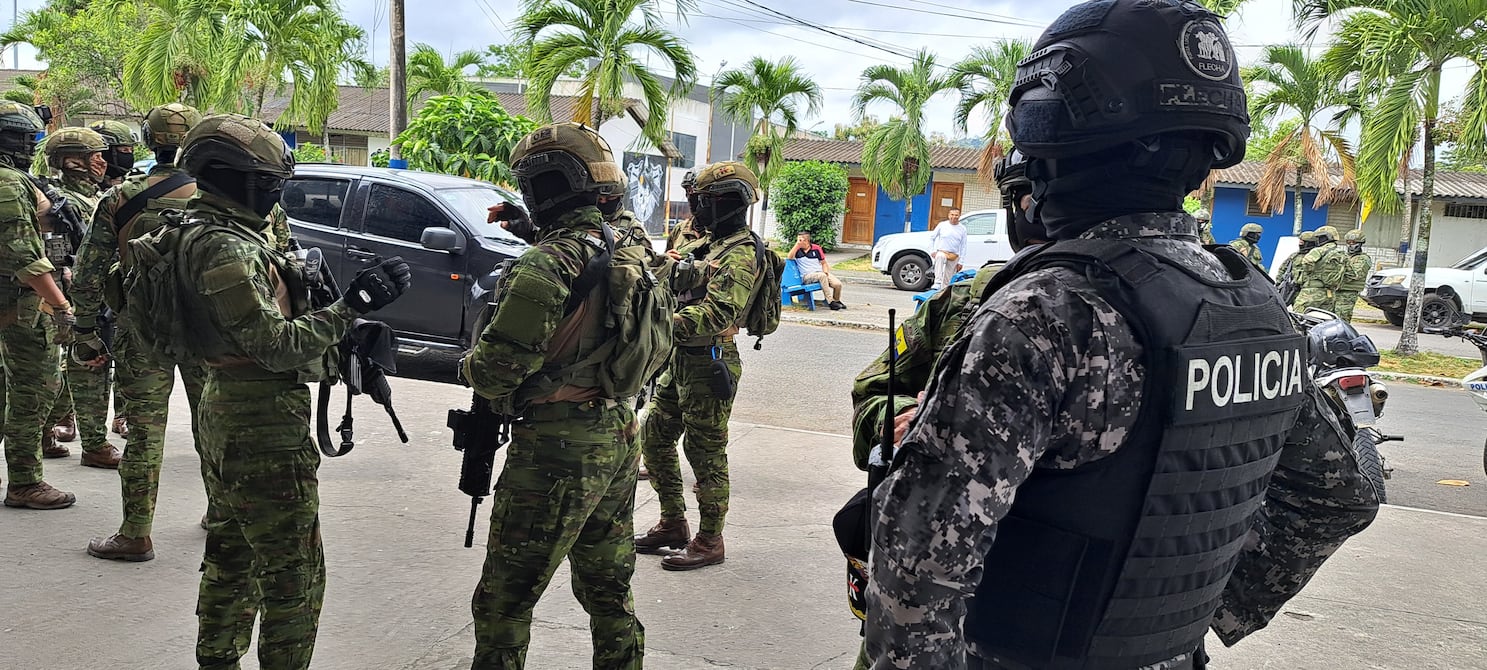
(711,113)
(15,49)
(397,97)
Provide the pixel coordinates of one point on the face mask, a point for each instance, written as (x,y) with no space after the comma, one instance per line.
(611,208)
(1254,238)
(120,161)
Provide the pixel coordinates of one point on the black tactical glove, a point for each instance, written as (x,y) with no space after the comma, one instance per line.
(87,345)
(377,286)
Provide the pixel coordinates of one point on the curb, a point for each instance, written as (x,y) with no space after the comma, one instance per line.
(831,323)
(1404,376)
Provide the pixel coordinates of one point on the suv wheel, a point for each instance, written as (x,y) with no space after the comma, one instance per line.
(1394,318)
(911,273)
(1437,312)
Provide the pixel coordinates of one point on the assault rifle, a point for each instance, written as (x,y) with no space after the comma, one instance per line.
(366,355)
(478,432)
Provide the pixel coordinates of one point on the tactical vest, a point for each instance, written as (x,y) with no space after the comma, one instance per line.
(1120,563)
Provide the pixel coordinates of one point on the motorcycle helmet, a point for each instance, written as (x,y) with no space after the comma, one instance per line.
(1336,344)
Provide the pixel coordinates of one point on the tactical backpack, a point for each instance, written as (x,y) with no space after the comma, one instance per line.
(159,313)
(636,311)
(762,314)
(135,218)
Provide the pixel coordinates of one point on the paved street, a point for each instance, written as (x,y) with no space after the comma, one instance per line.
(1406,594)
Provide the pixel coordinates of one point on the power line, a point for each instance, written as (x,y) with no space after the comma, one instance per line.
(1029,22)
(833,33)
(821,46)
(954,16)
(755,10)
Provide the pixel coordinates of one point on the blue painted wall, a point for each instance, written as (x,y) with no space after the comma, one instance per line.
(889,218)
(289,138)
(1229,207)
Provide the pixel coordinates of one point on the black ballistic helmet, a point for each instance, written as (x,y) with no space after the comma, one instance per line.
(1337,344)
(1113,71)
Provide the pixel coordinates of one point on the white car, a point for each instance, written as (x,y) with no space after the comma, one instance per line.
(905,256)
(1459,289)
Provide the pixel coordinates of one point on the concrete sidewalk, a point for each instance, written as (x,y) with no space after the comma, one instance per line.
(1409,593)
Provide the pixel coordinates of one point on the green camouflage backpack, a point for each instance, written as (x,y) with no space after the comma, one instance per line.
(161,316)
(762,315)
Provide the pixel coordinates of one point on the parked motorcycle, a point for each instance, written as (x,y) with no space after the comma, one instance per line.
(1340,358)
(1476,382)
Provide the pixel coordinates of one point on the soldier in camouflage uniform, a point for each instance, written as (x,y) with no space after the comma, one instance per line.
(144,385)
(119,157)
(1248,243)
(1322,270)
(77,155)
(1029,477)
(568,486)
(32,308)
(1205,226)
(248,308)
(713,294)
(1359,266)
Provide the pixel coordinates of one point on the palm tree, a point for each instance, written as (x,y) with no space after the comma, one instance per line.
(1399,47)
(1287,81)
(613,34)
(985,80)
(896,155)
(772,91)
(428,72)
(181,47)
(306,43)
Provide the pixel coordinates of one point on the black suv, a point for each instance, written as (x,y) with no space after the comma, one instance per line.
(436,222)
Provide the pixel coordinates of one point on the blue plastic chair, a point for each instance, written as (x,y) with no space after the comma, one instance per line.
(792,286)
(923,296)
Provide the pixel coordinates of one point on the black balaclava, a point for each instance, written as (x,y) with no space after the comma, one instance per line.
(721,215)
(1154,174)
(252,190)
(611,208)
(119,163)
(552,185)
(1254,238)
(18,149)
(1025,231)
(165,155)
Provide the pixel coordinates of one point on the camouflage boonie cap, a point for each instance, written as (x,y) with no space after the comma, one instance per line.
(1251,228)
(719,177)
(1355,237)
(72,142)
(236,142)
(1309,236)
(576,140)
(18,118)
(167,125)
(115,133)
(1328,232)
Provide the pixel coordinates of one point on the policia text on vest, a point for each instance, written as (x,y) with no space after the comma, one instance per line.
(1251,377)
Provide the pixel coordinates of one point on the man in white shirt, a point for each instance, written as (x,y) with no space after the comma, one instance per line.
(810,259)
(948,244)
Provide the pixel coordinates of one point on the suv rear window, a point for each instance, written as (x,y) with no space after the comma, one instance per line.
(315,200)
(400,214)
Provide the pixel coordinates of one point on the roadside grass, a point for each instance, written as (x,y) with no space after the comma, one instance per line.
(859,264)
(1427,363)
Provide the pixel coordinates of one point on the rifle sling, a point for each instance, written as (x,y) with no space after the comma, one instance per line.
(322,421)
(133,206)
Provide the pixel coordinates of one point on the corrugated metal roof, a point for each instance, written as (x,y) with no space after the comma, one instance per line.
(1465,185)
(850,152)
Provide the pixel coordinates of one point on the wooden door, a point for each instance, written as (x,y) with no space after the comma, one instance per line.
(862,204)
(945,197)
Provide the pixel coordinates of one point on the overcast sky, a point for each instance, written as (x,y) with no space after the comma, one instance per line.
(736,30)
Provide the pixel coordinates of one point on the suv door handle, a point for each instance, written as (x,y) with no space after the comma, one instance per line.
(357,253)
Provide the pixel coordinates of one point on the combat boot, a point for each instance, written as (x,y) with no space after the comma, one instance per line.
(67,430)
(40,495)
(666,535)
(50,448)
(120,548)
(107,458)
(702,551)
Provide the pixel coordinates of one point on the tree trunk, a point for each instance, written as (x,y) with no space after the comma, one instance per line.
(1296,228)
(1409,339)
(1407,229)
(397,99)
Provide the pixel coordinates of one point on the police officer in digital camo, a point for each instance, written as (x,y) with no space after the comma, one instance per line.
(1248,243)
(144,385)
(1322,270)
(247,309)
(1355,279)
(77,155)
(695,395)
(32,309)
(1205,226)
(1090,465)
(567,489)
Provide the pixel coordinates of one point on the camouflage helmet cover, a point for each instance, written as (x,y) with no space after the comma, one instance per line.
(18,118)
(167,125)
(1355,237)
(1309,236)
(72,141)
(115,133)
(1326,234)
(236,142)
(1203,215)
(572,149)
(1251,228)
(729,176)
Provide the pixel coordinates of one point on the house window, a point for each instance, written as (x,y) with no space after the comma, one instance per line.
(1466,211)
(687,146)
(1252,206)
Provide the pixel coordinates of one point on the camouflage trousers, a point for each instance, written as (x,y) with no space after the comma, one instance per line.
(145,390)
(1344,302)
(84,393)
(567,490)
(1321,298)
(31,383)
(263,555)
(685,403)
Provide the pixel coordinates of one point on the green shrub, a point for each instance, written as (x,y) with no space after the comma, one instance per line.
(310,153)
(380,158)
(810,196)
(466,135)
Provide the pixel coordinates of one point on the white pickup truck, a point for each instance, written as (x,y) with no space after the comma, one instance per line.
(1459,289)
(905,256)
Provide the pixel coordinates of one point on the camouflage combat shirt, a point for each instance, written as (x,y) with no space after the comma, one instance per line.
(1048,375)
